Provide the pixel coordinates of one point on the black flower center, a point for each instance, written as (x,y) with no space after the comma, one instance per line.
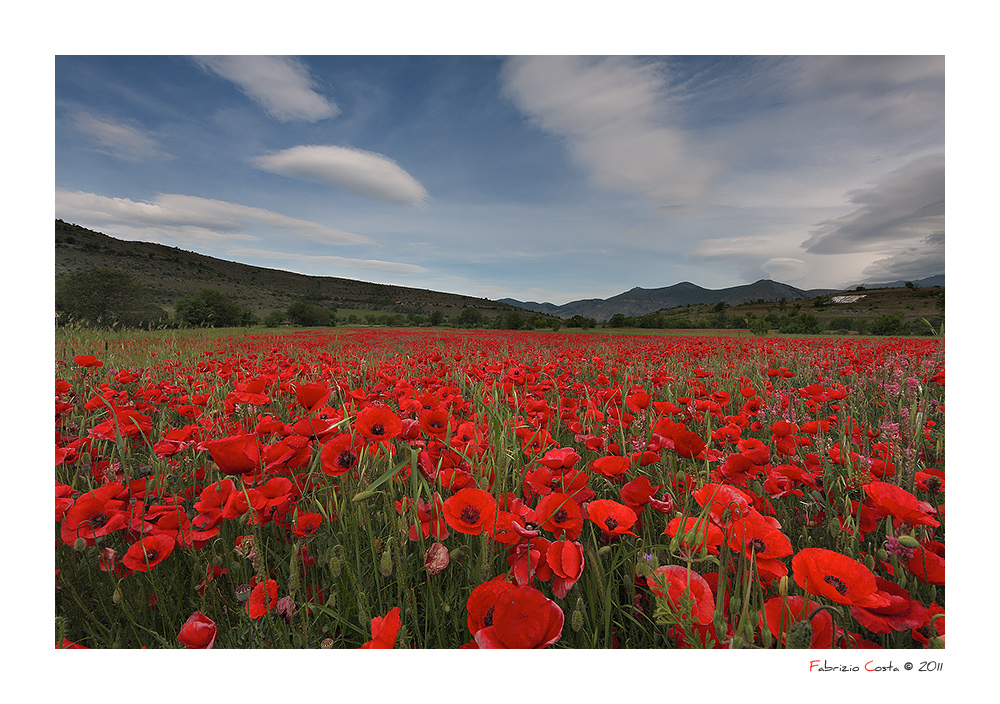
(470,514)
(836,582)
(99,519)
(378,429)
(151,555)
(346,459)
(933,485)
(560,516)
(611,523)
(757,545)
(488,618)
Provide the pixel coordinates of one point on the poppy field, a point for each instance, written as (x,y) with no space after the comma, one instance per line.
(380,488)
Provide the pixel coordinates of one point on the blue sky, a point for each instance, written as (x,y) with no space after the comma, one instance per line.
(550,178)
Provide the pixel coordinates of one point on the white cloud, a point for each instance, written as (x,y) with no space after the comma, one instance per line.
(784,269)
(187,215)
(119,140)
(327,260)
(281,85)
(616,117)
(360,172)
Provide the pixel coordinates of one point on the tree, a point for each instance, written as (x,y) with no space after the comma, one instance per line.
(210,308)
(469,318)
(106,297)
(437,317)
(307,315)
(274,318)
(513,320)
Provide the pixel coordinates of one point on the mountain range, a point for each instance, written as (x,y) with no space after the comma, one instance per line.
(640,301)
(169,273)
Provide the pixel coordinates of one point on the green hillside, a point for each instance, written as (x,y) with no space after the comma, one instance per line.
(169,273)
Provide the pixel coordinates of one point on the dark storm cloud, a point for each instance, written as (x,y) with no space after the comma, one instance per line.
(907,206)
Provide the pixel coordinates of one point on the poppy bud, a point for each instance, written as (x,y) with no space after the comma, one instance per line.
(720,624)
(833,527)
(882,554)
(757,487)
(869,562)
(909,541)
(326,644)
(117,596)
(604,550)
(446,608)
(79,544)
(783,586)
(362,495)
(335,564)
(243,592)
(576,621)
(385,564)
(800,635)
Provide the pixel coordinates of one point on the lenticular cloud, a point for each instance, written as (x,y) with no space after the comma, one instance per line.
(360,172)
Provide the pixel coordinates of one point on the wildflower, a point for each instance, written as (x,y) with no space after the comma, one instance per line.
(238,454)
(436,558)
(522,617)
(470,511)
(560,515)
(148,552)
(384,630)
(198,631)
(611,517)
(263,598)
(680,585)
(377,423)
(837,577)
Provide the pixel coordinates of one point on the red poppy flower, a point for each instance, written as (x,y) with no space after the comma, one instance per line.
(94,514)
(891,500)
(340,455)
(611,517)
(927,564)
(307,523)
(148,552)
(560,515)
(926,630)
(384,630)
(377,423)
(611,466)
(238,454)
(481,602)
(837,577)
(723,497)
(88,360)
(699,533)
(783,613)
(560,458)
(312,396)
(901,614)
(679,584)
(566,560)
(502,529)
(263,598)
(434,422)
(760,536)
(198,631)
(523,617)
(470,511)
(637,493)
